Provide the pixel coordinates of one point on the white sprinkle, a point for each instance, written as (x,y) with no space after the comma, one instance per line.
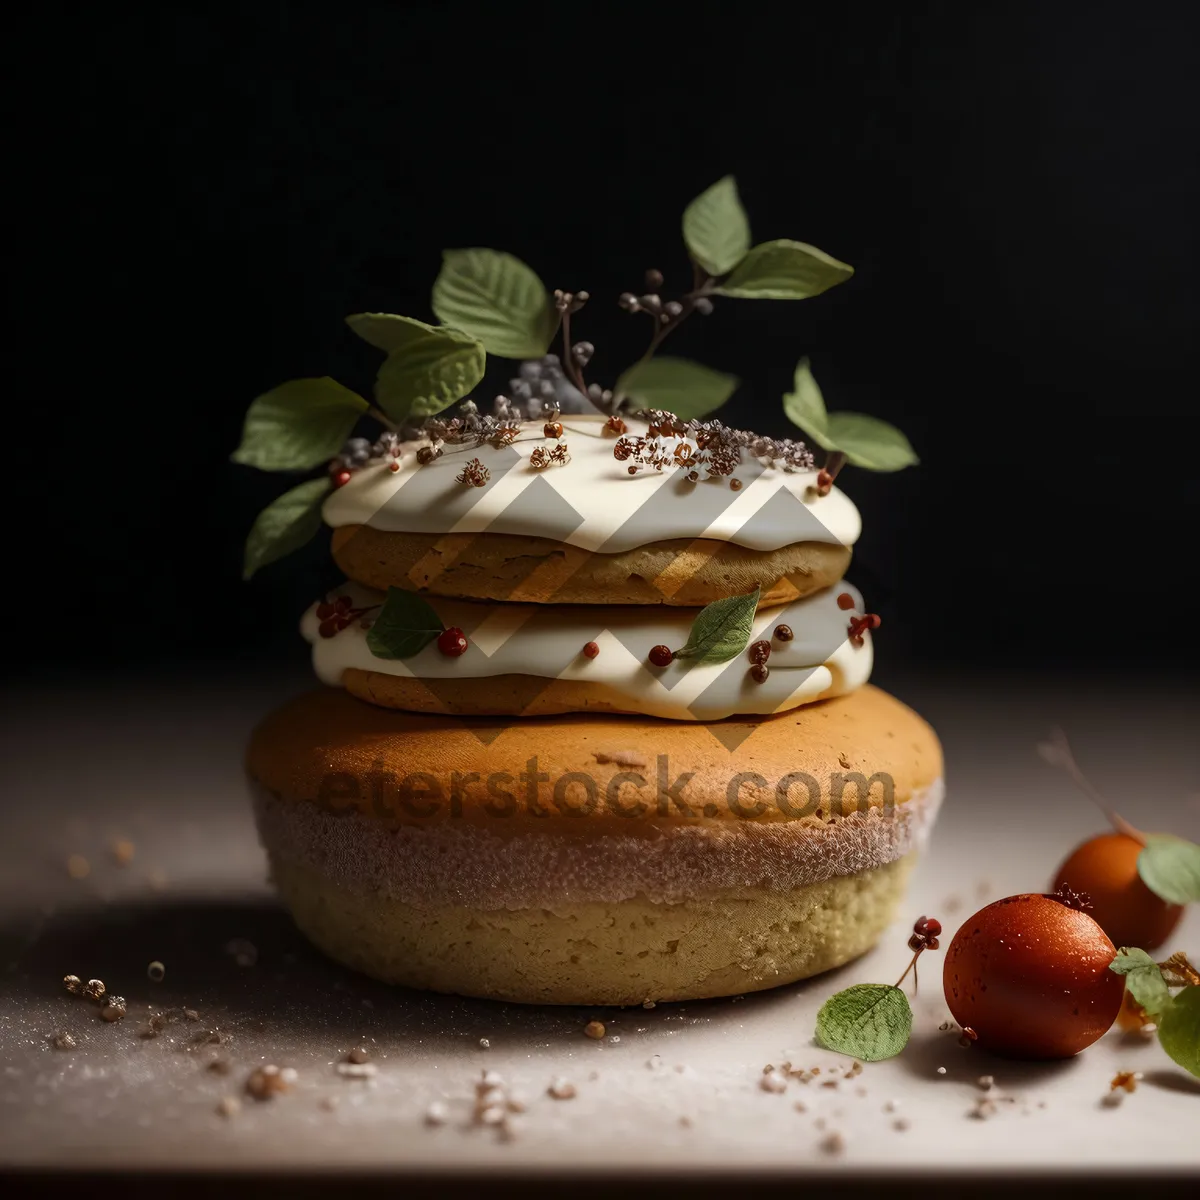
(773,1082)
(357,1070)
(484,1044)
(436,1114)
(941,1070)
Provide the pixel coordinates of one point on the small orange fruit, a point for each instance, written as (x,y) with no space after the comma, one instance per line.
(1029,975)
(1105,867)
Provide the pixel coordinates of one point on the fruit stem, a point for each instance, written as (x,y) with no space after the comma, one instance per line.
(1181,972)
(912,966)
(1065,759)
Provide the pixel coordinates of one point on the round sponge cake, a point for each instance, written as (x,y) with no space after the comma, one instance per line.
(591,859)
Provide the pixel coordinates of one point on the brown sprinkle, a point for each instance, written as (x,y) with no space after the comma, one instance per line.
(73,984)
(229,1106)
(122,850)
(114,1008)
(265,1083)
(594,1030)
(94,989)
(1128,1080)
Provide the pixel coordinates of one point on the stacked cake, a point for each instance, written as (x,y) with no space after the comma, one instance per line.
(597,726)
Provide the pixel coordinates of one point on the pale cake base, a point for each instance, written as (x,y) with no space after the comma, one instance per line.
(727,943)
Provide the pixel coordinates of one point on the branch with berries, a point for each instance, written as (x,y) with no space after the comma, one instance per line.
(491,303)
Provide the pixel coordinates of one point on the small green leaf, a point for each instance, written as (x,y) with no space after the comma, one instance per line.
(1143,979)
(1170,868)
(496,298)
(805,406)
(285,525)
(1179,1029)
(405,626)
(871,443)
(721,630)
(716,229)
(866,441)
(1130,959)
(677,385)
(298,425)
(428,367)
(871,1021)
(784,270)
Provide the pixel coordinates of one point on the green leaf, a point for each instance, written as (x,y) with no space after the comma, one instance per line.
(721,630)
(1179,1029)
(1170,868)
(784,270)
(871,443)
(1143,979)
(677,385)
(428,367)
(1130,959)
(298,425)
(866,441)
(285,525)
(497,299)
(805,406)
(716,229)
(871,1021)
(405,626)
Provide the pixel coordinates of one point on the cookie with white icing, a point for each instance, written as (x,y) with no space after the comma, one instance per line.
(505,522)
(594,860)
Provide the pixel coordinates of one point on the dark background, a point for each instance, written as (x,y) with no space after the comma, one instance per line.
(202,194)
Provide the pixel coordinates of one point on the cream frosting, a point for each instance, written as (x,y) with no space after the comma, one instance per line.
(592,501)
(546,641)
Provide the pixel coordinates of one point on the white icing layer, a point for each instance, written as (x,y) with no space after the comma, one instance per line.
(460,864)
(546,641)
(592,501)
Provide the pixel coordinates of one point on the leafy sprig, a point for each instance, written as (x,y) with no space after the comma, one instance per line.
(1169,994)
(490,302)
(721,630)
(873,1021)
(406,624)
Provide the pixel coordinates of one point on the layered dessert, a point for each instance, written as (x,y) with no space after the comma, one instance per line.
(596,724)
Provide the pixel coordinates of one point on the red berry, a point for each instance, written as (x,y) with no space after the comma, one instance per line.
(661,656)
(344,622)
(327,629)
(343,604)
(325,610)
(760,672)
(394,466)
(341,479)
(590,650)
(760,651)
(1030,976)
(784,633)
(1122,905)
(928,927)
(452,641)
(845,601)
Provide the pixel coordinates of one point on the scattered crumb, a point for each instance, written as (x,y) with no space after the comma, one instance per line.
(594,1030)
(561,1089)
(856,1068)
(436,1114)
(655,1062)
(219,1066)
(941,1070)
(946,1025)
(773,1082)
(986,1082)
(901,1124)
(63,1041)
(94,989)
(891,1106)
(1125,1079)
(984,1108)
(484,1044)
(156,972)
(114,1008)
(229,1106)
(800,1106)
(829,1083)
(73,984)
(686,1122)
(78,867)
(616,1037)
(833,1143)
(264,1083)
(649,1004)
(190,1014)
(243,952)
(122,850)
(843,761)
